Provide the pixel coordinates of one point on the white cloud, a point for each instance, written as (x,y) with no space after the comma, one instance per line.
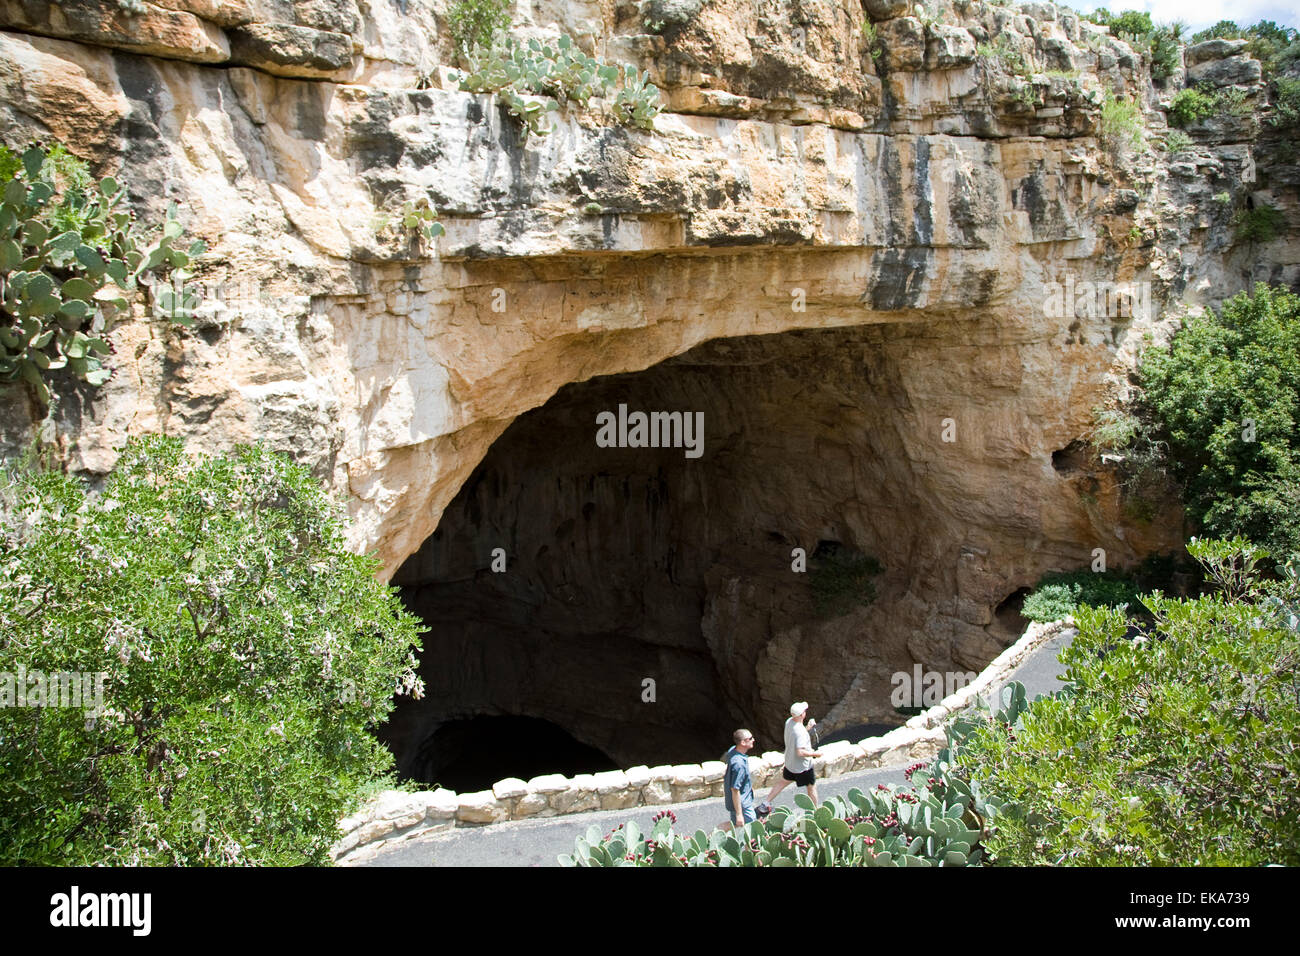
(1202,13)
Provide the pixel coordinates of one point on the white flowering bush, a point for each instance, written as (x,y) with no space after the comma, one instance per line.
(246,654)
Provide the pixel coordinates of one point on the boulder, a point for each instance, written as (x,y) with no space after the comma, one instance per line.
(949,48)
(1216,49)
(481,807)
(289,50)
(174,34)
(1233,71)
(903,42)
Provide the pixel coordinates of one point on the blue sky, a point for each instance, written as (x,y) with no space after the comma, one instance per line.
(1199,14)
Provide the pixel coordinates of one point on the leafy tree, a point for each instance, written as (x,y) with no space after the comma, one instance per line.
(245,654)
(475,22)
(1227,396)
(1223,30)
(1177,747)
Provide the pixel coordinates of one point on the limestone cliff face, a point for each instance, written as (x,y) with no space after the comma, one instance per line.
(904,190)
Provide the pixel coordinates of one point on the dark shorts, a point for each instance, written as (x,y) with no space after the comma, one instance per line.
(804,778)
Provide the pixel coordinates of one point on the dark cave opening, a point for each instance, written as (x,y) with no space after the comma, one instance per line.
(1007,614)
(473,753)
(647,601)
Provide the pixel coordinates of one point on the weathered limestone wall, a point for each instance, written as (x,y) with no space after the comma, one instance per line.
(914,186)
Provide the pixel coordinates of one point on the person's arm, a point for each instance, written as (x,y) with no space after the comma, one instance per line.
(737,814)
(808,752)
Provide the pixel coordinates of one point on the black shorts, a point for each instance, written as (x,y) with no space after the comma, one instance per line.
(804,778)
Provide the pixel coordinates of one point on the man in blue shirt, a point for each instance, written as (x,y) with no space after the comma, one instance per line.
(737,788)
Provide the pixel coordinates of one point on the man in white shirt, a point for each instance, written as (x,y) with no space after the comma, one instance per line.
(799,756)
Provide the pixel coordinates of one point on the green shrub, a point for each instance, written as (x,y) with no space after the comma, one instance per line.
(842,579)
(1226,396)
(1179,747)
(1263,223)
(476,22)
(1120,124)
(69,254)
(1286,102)
(1059,594)
(1050,602)
(1190,106)
(246,653)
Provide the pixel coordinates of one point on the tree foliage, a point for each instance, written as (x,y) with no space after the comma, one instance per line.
(1227,396)
(245,652)
(1177,747)
(475,22)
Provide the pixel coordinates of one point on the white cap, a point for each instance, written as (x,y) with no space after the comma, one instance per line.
(799,708)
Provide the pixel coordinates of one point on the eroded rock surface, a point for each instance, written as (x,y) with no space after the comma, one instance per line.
(912,191)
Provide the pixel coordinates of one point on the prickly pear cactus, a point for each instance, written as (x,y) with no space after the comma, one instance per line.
(69,257)
(535,78)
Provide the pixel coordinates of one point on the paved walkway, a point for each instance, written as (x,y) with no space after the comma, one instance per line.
(539,842)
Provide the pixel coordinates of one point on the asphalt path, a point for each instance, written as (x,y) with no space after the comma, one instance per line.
(539,842)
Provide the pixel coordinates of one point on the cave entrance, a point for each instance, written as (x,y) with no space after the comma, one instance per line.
(472,754)
(649,597)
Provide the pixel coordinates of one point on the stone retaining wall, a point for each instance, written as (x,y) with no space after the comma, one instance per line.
(396,815)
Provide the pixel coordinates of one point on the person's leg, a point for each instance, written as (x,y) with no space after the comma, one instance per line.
(781,784)
(812,793)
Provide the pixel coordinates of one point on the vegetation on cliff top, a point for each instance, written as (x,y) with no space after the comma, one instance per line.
(534,78)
